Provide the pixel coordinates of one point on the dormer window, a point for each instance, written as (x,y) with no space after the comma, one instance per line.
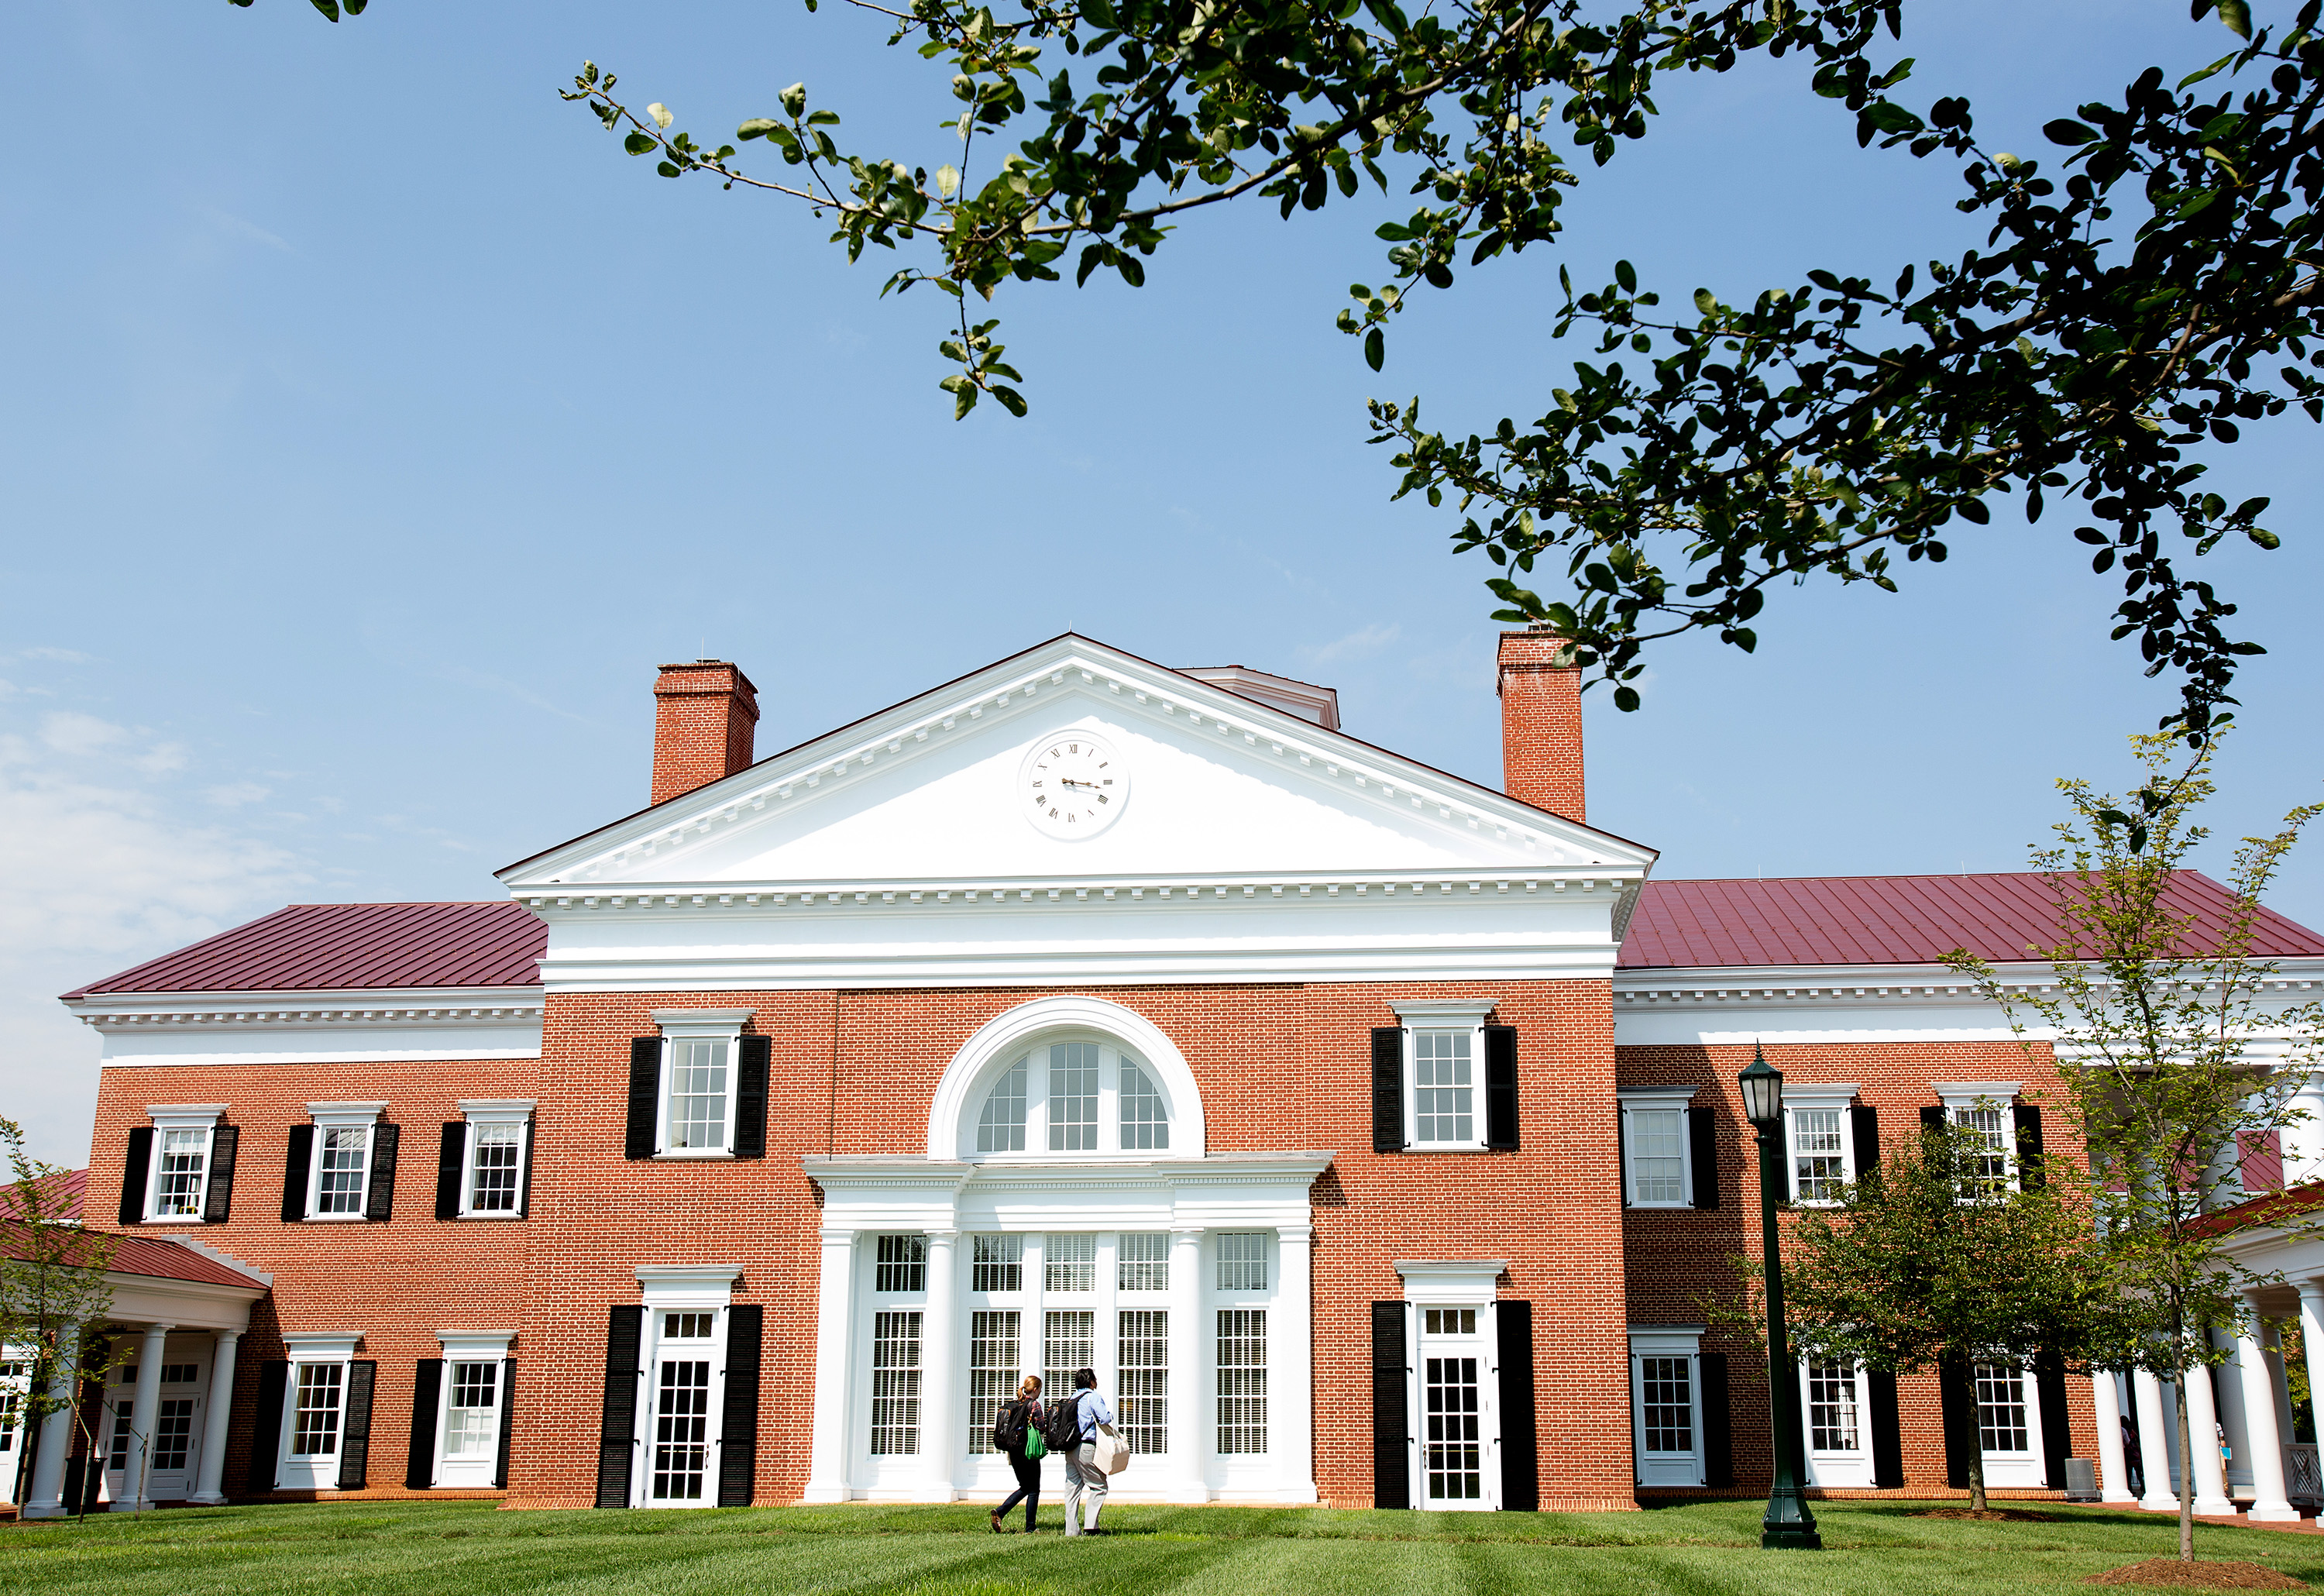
(1073,1097)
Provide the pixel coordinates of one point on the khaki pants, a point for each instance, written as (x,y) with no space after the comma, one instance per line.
(1085,1481)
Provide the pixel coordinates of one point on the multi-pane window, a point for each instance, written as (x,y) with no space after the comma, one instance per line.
(180,1160)
(315,1417)
(1242,1381)
(1143,1345)
(1145,1122)
(996,1262)
(471,1428)
(901,1265)
(1667,1404)
(1242,1261)
(1819,1156)
(1454,1447)
(2001,1409)
(340,1167)
(1448,1321)
(993,1348)
(180,1374)
(681,1430)
(495,1159)
(118,1458)
(895,1384)
(1654,1144)
(688,1326)
(1143,1263)
(1831,1407)
(1443,1106)
(1068,1343)
(1988,1146)
(697,1094)
(16,1381)
(1002,1128)
(1069,1263)
(1073,1097)
(173,1434)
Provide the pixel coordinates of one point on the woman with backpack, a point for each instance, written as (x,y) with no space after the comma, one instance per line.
(1017,1433)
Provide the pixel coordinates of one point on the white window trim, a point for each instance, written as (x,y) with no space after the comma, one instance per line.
(1666,1341)
(182,1116)
(2014,1469)
(1961,1095)
(341,1116)
(469,1346)
(1444,1014)
(500,1111)
(303,1347)
(681,1288)
(1113,1054)
(1817,1094)
(698,1025)
(1657,1097)
(1832,1468)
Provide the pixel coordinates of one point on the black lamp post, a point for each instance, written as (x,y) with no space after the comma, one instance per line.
(1788,1522)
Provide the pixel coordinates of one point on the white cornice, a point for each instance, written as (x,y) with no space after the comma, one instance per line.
(1762,986)
(515,1007)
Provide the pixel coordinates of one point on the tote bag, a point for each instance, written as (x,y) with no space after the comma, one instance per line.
(1113,1450)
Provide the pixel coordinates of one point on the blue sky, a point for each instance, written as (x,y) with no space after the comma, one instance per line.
(375,426)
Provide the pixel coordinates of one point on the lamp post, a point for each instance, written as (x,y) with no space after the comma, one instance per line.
(1788,1522)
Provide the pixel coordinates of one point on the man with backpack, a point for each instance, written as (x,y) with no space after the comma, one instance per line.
(1074,1424)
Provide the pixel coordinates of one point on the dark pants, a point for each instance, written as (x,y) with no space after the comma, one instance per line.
(1027,1471)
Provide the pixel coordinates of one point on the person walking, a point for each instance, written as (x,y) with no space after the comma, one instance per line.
(1017,1432)
(1085,1483)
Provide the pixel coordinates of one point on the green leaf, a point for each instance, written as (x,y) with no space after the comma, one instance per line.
(1626,275)
(329,8)
(2235,13)
(1625,699)
(1011,400)
(638,143)
(1706,302)
(2065,131)
(963,394)
(1375,348)
(757,127)
(794,99)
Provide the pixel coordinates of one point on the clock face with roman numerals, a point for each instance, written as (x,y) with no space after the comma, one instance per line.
(1073,785)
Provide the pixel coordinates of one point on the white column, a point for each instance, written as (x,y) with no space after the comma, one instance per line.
(2203,1431)
(2311,1326)
(2303,1138)
(940,1334)
(835,1382)
(2153,1452)
(2266,1448)
(2114,1471)
(2229,1393)
(1189,1376)
(47,1498)
(136,1476)
(1291,1410)
(211,1475)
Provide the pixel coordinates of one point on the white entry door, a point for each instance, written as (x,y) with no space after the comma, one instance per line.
(1459,1467)
(173,1434)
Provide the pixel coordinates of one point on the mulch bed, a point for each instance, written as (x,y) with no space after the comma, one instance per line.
(2201,1576)
(2010,1515)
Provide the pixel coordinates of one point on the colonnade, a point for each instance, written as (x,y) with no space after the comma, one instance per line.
(46,1496)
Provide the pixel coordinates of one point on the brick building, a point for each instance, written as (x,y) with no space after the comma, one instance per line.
(1372,1132)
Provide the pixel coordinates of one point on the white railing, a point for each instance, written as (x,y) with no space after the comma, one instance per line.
(2303,1477)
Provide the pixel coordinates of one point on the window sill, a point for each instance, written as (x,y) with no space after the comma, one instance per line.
(494,1218)
(1453,1147)
(1659,1207)
(682,1154)
(173,1219)
(334,1219)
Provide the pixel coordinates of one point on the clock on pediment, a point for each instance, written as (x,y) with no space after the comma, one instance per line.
(1073,784)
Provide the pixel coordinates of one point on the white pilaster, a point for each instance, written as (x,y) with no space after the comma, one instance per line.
(1184,1471)
(2106,1405)
(2211,1496)
(834,1375)
(2153,1452)
(2265,1446)
(940,1337)
(47,1499)
(210,1478)
(136,1477)
(1291,1415)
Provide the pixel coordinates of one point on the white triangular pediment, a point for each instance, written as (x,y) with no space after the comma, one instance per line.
(930,792)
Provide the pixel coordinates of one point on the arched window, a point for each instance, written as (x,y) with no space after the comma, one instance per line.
(1074,1097)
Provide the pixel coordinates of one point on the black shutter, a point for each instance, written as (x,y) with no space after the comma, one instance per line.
(1388,1089)
(355,1426)
(750,1097)
(138,1164)
(738,1451)
(294,1173)
(427,1390)
(1888,1432)
(1717,1421)
(508,1409)
(524,1187)
(217,1204)
(1932,1116)
(2031,1175)
(1864,1128)
(625,1324)
(451,1154)
(1391,1463)
(1957,1396)
(645,1084)
(2057,1438)
(1702,1154)
(265,1426)
(379,1202)
(1501,1087)
(1520,1443)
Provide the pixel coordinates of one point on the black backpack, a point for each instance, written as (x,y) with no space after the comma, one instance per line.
(1009,1427)
(1063,1431)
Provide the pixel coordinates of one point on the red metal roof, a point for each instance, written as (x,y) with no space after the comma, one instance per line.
(321,947)
(132,1255)
(1888,920)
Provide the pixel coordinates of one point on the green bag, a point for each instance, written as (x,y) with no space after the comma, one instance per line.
(1034,1447)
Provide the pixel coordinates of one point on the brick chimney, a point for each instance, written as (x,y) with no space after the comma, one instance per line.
(1541,725)
(705,717)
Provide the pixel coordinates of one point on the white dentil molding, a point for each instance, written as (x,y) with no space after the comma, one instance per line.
(511,1008)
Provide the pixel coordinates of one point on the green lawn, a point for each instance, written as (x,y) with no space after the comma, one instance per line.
(475,1550)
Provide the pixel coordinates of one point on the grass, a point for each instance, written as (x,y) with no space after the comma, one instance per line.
(470,1548)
